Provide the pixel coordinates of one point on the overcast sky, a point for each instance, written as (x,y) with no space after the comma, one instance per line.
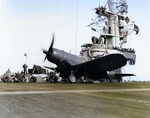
(27,27)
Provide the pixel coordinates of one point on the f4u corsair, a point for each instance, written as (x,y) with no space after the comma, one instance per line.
(73,67)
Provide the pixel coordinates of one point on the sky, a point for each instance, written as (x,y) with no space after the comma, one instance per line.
(27,26)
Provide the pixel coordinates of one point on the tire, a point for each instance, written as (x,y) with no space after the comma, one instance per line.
(55,79)
(13,79)
(51,80)
(72,78)
(35,79)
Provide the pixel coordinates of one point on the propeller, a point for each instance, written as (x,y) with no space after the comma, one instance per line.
(51,46)
(50,50)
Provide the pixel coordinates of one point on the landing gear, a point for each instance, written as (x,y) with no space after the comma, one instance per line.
(33,79)
(52,78)
(72,78)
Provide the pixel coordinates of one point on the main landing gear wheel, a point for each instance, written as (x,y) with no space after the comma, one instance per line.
(72,78)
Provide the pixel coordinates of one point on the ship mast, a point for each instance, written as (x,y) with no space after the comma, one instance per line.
(117,9)
(112,24)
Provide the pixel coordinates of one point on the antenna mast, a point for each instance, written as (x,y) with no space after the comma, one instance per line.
(76,28)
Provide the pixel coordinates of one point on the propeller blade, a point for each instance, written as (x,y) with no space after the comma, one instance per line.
(45,59)
(50,50)
(51,46)
(46,52)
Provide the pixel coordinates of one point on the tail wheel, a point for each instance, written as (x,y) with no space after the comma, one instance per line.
(72,78)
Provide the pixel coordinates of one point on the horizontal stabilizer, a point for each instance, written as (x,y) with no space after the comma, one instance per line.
(119,75)
(124,75)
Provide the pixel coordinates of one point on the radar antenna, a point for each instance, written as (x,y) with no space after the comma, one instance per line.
(118,6)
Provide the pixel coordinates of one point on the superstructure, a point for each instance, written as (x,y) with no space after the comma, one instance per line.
(113,26)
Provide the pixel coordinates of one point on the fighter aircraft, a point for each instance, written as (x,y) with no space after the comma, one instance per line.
(73,67)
